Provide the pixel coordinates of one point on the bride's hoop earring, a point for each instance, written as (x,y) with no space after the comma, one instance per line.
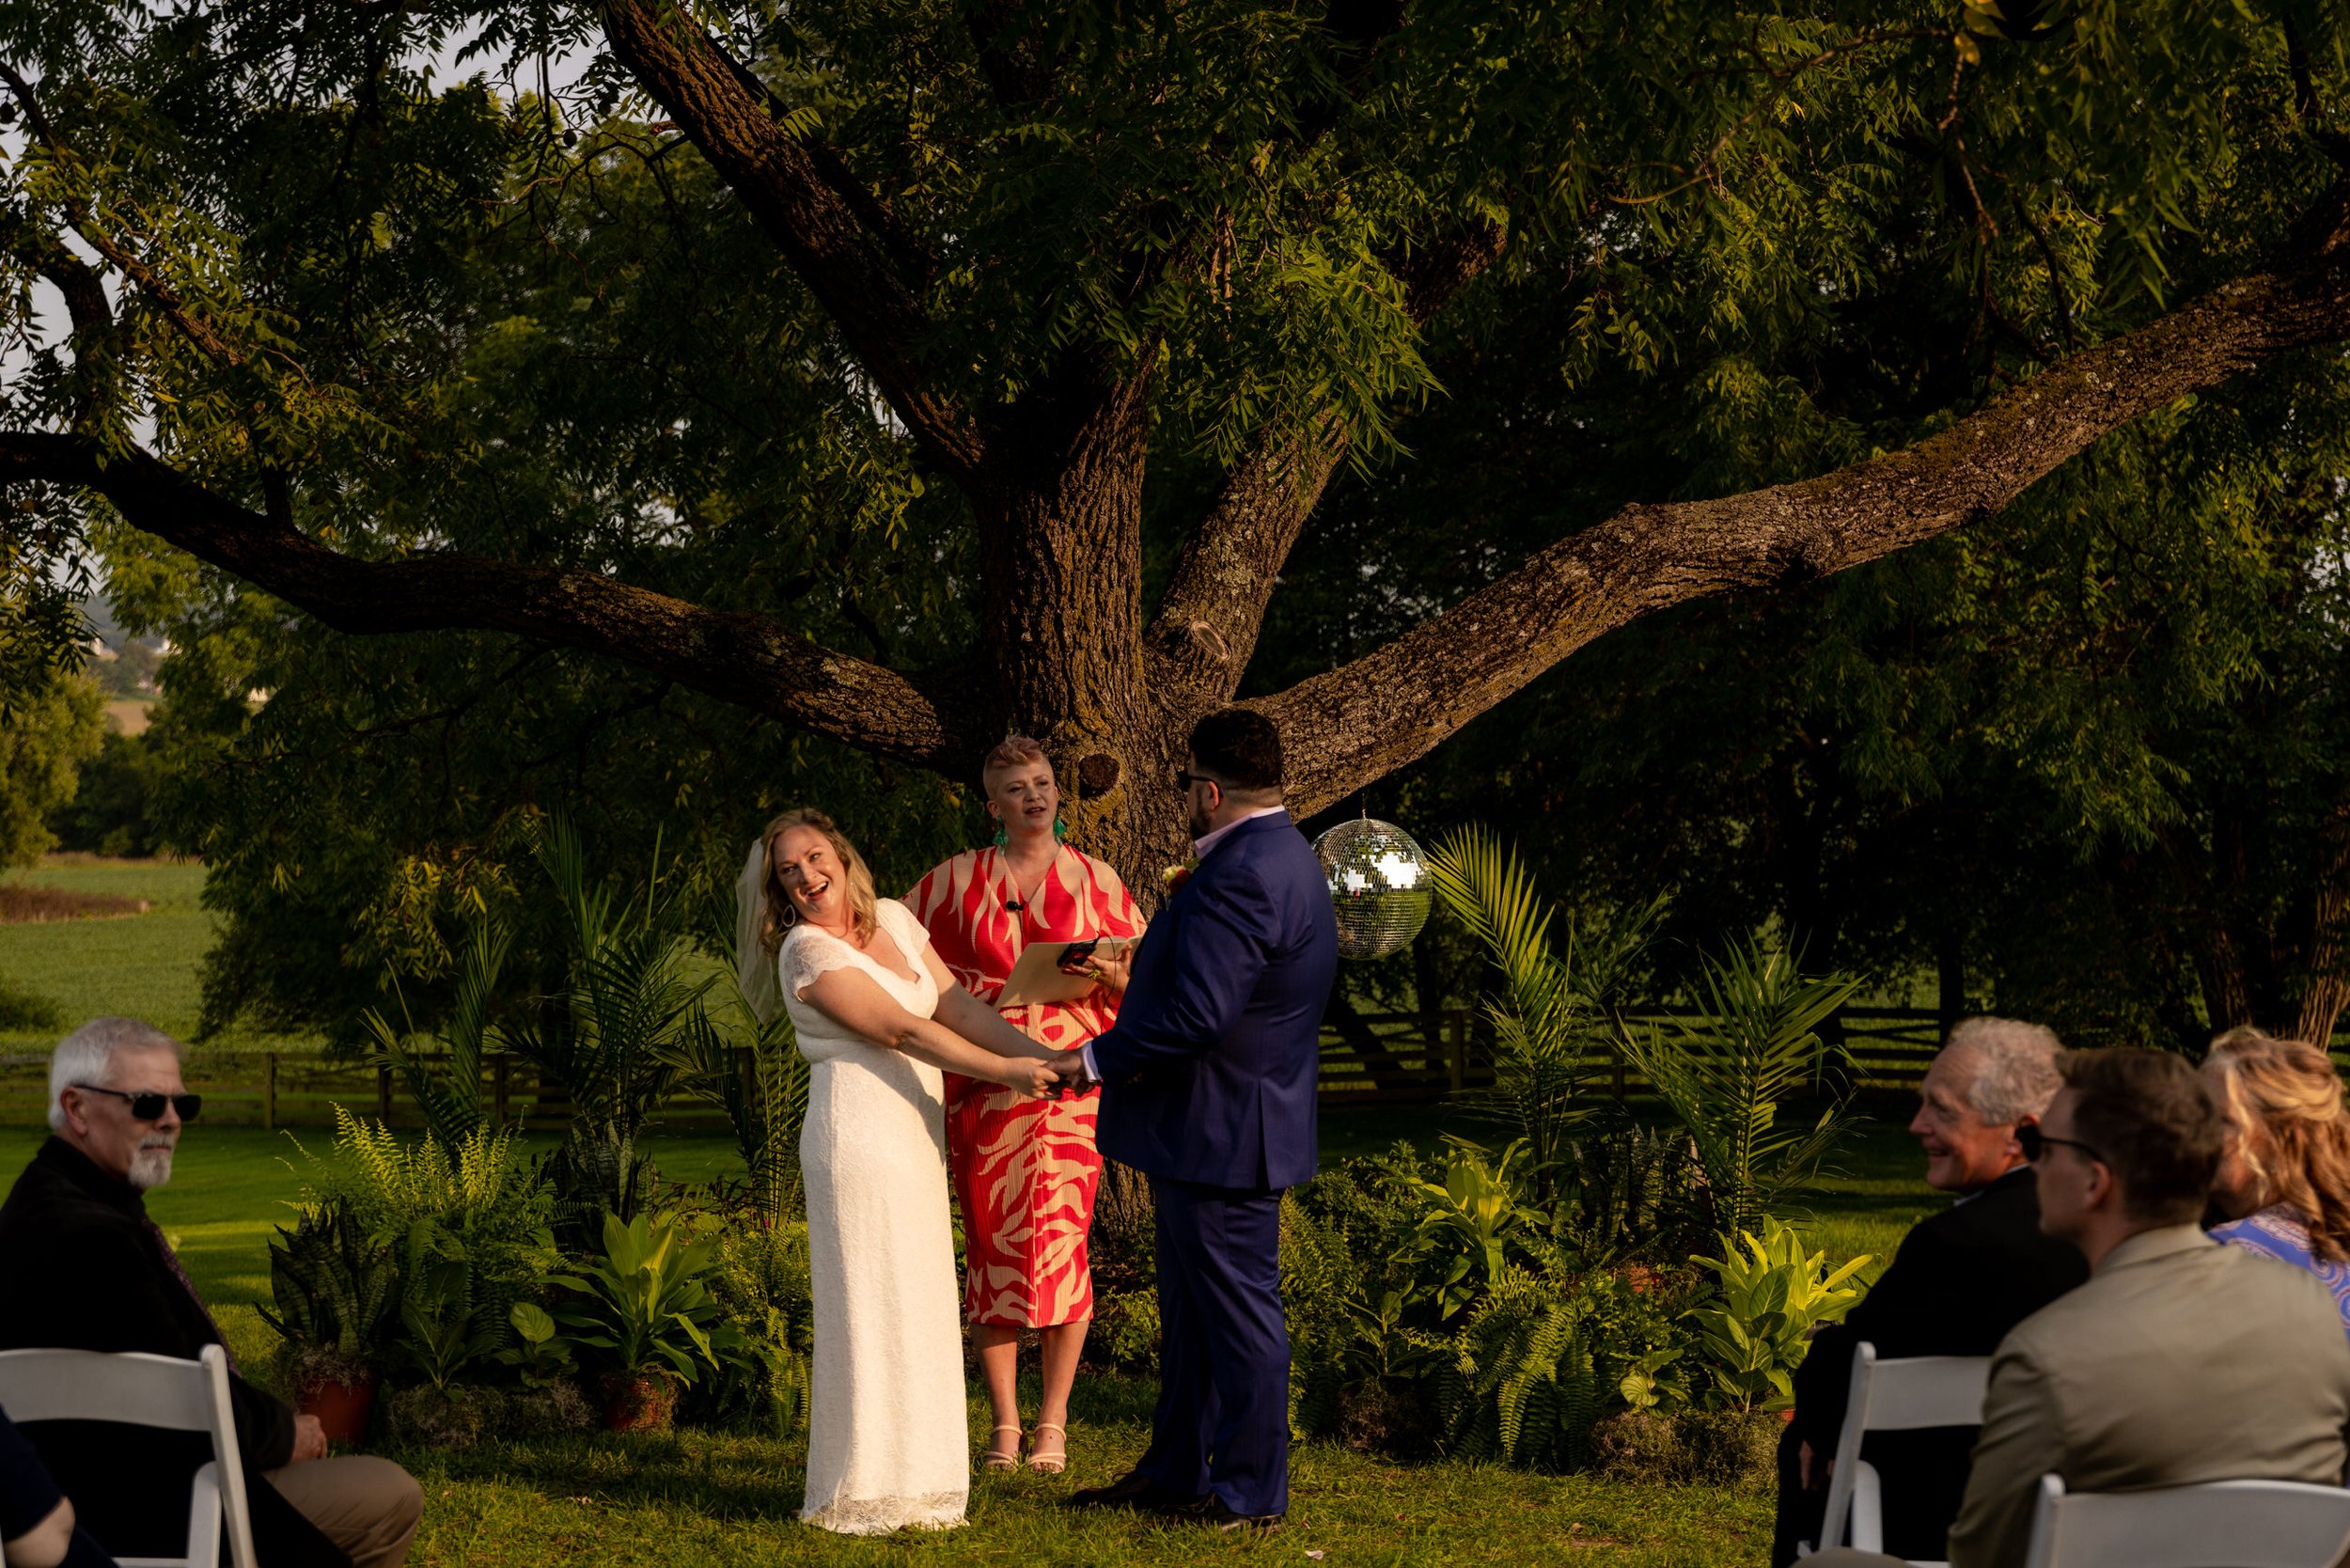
(791,915)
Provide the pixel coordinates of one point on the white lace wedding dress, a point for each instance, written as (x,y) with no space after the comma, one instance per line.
(887,1442)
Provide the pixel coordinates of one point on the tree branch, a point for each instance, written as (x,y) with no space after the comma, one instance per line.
(1214,607)
(716,102)
(1356,723)
(2306,106)
(150,282)
(745,659)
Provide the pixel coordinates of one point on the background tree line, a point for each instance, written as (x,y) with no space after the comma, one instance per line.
(1546,284)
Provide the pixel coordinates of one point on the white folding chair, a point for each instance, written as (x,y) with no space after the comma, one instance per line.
(2215,1524)
(1905,1395)
(145,1390)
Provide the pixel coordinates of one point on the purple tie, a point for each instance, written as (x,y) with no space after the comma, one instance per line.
(171,1261)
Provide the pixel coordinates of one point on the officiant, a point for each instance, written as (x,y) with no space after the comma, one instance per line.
(1026,1170)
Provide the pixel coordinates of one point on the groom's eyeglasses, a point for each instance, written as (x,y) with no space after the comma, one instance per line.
(149,1108)
(1185,778)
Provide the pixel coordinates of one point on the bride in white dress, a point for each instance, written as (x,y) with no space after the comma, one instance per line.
(877,1017)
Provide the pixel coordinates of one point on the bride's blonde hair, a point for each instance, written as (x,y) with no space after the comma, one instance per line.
(777,912)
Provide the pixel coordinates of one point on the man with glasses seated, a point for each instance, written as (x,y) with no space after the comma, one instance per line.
(87,1269)
(2180,1360)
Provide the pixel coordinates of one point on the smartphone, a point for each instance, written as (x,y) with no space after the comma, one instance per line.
(1074,957)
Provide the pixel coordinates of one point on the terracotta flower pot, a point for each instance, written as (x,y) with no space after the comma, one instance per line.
(640,1401)
(342,1407)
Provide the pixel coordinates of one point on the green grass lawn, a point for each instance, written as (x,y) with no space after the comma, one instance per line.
(144,964)
(726,1497)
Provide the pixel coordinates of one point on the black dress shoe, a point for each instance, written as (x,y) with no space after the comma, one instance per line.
(1212,1509)
(1134,1491)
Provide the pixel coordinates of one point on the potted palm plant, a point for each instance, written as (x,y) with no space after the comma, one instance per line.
(332,1288)
(644,1311)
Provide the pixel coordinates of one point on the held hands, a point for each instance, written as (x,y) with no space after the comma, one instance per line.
(1030,1078)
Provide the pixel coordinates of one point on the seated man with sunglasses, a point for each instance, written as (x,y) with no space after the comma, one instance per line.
(87,1269)
(2180,1360)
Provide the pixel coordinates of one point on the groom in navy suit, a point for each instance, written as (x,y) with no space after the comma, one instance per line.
(1208,1088)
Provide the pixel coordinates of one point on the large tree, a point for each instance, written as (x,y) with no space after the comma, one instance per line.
(1093,302)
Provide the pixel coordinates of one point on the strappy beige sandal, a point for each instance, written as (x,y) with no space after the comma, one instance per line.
(1001,1459)
(1049,1463)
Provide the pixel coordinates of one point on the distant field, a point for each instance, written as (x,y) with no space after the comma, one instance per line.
(145,965)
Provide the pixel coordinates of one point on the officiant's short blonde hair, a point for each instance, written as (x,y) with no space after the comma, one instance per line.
(1012,751)
(777,914)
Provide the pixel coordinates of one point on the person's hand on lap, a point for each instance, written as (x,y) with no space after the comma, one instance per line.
(309,1439)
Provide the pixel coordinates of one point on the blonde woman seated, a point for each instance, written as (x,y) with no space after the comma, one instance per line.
(878,1017)
(2284,1171)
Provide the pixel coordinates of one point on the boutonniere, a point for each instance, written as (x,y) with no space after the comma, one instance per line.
(1175,876)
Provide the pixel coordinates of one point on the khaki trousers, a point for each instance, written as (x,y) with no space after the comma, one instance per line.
(367,1506)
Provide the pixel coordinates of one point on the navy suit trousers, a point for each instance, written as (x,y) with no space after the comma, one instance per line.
(1222,1424)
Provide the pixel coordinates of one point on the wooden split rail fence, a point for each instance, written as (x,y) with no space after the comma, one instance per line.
(1367,1059)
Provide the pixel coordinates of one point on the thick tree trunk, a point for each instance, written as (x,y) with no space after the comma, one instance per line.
(1060,531)
(2325,972)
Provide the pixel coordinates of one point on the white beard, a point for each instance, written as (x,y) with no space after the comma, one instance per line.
(150,1168)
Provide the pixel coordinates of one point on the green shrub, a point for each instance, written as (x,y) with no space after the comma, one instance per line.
(1721,1448)
(759,1281)
(645,1305)
(334,1289)
(465,1230)
(28,1013)
(1753,1333)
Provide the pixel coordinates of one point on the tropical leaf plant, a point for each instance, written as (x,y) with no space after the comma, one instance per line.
(448,1095)
(1472,1214)
(1753,1042)
(645,1302)
(332,1287)
(754,1071)
(1550,1013)
(635,986)
(1773,1293)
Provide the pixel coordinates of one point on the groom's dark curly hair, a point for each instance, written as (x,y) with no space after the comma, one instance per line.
(1239,749)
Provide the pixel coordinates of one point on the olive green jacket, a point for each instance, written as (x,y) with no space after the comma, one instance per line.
(2180,1360)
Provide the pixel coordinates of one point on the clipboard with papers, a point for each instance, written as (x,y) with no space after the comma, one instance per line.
(1037,976)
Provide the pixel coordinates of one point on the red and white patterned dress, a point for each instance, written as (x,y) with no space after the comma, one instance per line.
(1025,1171)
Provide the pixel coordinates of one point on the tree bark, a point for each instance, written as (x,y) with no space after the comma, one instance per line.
(1356,723)
(749,660)
(2327,970)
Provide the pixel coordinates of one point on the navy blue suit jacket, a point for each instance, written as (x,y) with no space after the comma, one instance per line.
(1209,1073)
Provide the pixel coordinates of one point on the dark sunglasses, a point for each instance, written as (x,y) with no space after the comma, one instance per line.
(149,1108)
(2035,1143)
(1185,778)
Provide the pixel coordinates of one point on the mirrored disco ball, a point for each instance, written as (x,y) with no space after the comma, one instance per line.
(1378,886)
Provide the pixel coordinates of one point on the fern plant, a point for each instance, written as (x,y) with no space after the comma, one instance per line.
(1522,1387)
(463,1230)
(1754,1043)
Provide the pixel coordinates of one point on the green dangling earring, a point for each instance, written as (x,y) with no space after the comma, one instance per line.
(1061,831)
(1003,834)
